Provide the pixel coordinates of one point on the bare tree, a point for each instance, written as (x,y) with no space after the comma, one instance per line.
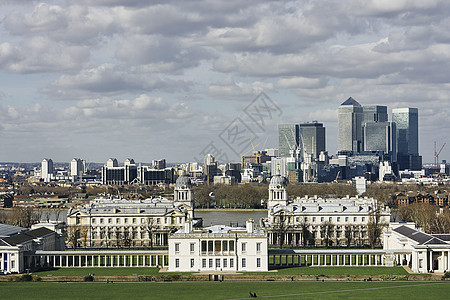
(326,232)
(348,233)
(280,228)
(150,227)
(22,216)
(375,227)
(304,232)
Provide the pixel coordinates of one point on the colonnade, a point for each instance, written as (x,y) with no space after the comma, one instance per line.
(59,259)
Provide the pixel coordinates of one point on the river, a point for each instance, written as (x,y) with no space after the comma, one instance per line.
(210,217)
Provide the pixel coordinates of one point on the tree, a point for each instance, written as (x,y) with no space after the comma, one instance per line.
(22,216)
(150,227)
(326,232)
(375,226)
(304,232)
(280,228)
(348,233)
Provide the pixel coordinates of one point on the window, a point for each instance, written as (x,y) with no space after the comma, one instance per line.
(258,247)
(258,262)
(101,220)
(125,220)
(158,220)
(177,262)
(210,263)
(134,220)
(321,219)
(13,264)
(142,220)
(244,247)
(210,246)
(93,221)
(109,220)
(244,262)
(217,262)
(231,245)
(77,220)
(338,219)
(346,219)
(224,245)
(354,219)
(225,261)
(329,219)
(363,219)
(204,246)
(192,262)
(192,247)
(117,221)
(217,246)
(314,219)
(231,262)
(177,247)
(306,219)
(204,263)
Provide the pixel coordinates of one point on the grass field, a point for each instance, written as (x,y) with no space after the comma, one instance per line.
(227,290)
(288,271)
(99,271)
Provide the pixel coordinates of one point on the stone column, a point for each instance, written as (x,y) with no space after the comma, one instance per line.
(431,261)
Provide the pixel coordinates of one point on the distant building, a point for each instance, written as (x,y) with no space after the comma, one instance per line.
(374,113)
(76,168)
(407,124)
(112,173)
(288,139)
(219,248)
(312,139)
(380,137)
(159,164)
(47,169)
(349,126)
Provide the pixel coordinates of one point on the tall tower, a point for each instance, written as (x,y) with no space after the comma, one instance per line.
(350,121)
(407,122)
(46,168)
(312,138)
(76,167)
(277,191)
(288,139)
(380,136)
(374,113)
(183,194)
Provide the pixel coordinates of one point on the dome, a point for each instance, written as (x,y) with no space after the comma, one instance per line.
(278,180)
(183,182)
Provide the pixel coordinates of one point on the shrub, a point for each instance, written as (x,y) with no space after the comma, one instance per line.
(89,278)
(26,277)
(446,275)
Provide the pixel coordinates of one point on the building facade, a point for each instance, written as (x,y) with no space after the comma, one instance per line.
(125,223)
(350,116)
(219,248)
(288,139)
(312,136)
(407,127)
(313,221)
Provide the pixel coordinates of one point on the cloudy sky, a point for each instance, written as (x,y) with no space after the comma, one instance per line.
(175,79)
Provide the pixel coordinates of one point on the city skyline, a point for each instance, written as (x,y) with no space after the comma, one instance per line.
(148,81)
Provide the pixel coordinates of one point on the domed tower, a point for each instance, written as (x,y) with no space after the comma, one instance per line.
(183,193)
(277,191)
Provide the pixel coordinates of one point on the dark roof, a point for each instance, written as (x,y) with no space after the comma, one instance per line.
(420,237)
(444,237)
(8,230)
(351,101)
(22,237)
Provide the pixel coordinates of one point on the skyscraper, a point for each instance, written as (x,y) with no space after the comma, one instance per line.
(380,136)
(288,139)
(374,113)
(350,120)
(312,138)
(407,122)
(46,168)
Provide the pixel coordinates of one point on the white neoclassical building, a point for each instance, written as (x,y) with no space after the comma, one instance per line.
(423,252)
(315,221)
(218,248)
(131,223)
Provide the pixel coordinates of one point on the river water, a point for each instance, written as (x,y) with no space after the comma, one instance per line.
(210,217)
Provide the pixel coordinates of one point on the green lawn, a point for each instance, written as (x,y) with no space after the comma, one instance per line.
(226,290)
(99,271)
(343,270)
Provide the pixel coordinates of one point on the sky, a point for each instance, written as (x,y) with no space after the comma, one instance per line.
(178,79)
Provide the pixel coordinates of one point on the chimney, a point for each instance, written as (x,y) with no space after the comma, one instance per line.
(250,225)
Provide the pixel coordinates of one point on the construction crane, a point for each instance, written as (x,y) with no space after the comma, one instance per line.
(13,181)
(436,155)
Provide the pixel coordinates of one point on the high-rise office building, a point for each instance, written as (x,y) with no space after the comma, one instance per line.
(312,138)
(380,136)
(374,113)
(350,120)
(407,122)
(288,139)
(76,167)
(46,168)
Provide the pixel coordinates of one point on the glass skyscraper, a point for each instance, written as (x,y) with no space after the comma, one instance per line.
(350,120)
(288,139)
(407,122)
(312,138)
